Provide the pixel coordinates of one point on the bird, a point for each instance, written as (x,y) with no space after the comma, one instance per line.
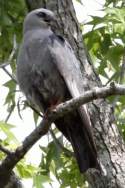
(48,73)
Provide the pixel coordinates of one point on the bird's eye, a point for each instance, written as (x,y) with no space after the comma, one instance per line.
(41,14)
(44,16)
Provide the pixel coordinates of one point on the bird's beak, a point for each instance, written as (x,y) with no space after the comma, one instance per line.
(53,21)
(52,18)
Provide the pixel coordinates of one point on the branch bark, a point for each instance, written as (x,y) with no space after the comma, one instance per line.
(14,157)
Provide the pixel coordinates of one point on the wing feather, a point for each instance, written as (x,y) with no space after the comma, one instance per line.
(68,66)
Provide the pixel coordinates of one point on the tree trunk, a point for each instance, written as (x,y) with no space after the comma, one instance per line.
(110,146)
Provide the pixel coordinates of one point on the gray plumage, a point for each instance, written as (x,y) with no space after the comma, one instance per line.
(48,73)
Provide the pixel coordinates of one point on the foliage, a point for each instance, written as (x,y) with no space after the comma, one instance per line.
(105,43)
(11,19)
(61,165)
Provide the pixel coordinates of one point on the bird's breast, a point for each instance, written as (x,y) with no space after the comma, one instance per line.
(38,76)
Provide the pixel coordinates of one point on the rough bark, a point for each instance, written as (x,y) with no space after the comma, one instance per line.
(110,146)
(10,180)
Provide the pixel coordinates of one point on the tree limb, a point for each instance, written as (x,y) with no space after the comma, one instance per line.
(5,150)
(13,158)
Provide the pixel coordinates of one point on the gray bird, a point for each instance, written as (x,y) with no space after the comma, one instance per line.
(48,73)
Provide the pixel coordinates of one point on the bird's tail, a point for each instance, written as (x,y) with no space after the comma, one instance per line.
(76,131)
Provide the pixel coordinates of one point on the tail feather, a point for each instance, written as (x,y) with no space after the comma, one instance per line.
(84,149)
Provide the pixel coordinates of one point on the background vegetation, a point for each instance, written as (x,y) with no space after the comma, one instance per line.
(105,43)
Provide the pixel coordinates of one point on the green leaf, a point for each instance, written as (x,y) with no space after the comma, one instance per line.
(116,13)
(38,181)
(10,85)
(114,55)
(10,98)
(35,117)
(96,20)
(79,1)
(26,170)
(6,128)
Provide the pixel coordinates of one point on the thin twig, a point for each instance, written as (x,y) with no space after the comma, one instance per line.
(66,151)
(13,50)
(9,74)
(111,78)
(121,79)
(5,150)
(10,112)
(35,110)
(2,65)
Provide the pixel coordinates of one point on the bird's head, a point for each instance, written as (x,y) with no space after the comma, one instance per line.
(39,18)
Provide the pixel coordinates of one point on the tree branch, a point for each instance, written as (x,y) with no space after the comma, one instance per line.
(5,150)
(88,96)
(13,158)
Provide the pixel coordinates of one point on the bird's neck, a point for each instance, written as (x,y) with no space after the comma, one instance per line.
(36,33)
(35,28)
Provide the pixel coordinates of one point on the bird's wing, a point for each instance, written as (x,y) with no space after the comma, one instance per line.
(68,66)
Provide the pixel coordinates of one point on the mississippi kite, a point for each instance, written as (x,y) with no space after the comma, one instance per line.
(48,73)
